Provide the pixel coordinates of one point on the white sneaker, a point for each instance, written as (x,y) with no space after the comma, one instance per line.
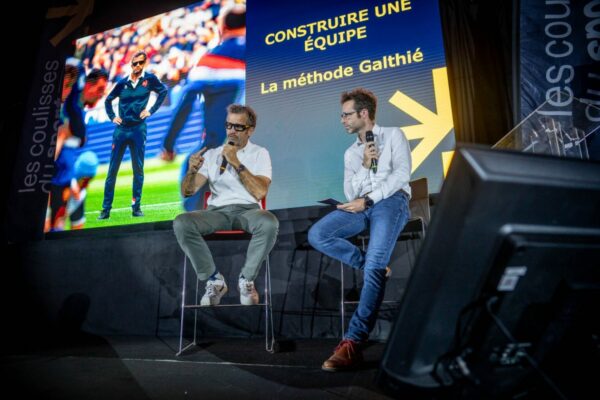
(215,289)
(248,293)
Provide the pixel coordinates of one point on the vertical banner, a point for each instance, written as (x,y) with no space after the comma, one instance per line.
(303,55)
(560,62)
(34,165)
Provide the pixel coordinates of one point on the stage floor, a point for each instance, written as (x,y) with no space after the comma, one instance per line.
(94,367)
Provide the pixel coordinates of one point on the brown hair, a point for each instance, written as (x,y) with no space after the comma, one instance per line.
(363,98)
(140,53)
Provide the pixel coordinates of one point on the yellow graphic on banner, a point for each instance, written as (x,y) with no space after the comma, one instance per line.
(77,12)
(433,127)
(446,160)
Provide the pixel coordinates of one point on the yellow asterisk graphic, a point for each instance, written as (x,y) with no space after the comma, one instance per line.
(433,127)
(78,12)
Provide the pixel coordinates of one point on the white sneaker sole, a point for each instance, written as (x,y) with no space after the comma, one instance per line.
(249,301)
(213,301)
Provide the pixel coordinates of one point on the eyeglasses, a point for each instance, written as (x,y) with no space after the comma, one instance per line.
(345,115)
(136,63)
(236,127)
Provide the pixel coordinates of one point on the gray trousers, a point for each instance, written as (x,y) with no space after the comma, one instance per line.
(189,228)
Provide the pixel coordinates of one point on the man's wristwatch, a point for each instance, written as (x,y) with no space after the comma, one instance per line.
(240,169)
(368,201)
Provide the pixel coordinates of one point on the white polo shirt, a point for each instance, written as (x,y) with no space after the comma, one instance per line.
(393,166)
(227,188)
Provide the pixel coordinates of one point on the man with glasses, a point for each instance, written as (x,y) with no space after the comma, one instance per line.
(378,194)
(239,175)
(133,93)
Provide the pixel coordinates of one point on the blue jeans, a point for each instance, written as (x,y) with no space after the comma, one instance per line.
(385,221)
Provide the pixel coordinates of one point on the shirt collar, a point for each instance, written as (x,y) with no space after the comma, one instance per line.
(142,75)
(248,146)
(376,133)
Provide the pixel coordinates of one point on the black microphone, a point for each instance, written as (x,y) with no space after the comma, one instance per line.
(224,162)
(371,142)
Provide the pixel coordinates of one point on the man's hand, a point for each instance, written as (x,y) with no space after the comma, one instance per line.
(192,180)
(355,206)
(230,154)
(195,162)
(144,114)
(166,155)
(369,154)
(117,120)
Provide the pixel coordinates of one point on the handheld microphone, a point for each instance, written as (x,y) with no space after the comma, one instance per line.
(224,162)
(371,142)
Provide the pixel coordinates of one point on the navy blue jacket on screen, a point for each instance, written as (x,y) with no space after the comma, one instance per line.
(133,100)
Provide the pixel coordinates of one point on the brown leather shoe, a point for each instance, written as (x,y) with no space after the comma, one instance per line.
(347,355)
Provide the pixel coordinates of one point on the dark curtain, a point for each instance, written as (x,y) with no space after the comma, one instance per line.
(478,39)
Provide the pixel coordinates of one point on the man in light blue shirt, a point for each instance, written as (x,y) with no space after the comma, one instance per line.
(376,183)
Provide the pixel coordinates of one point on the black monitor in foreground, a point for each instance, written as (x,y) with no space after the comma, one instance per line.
(504,299)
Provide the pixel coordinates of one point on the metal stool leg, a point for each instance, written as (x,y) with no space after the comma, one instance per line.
(269,329)
(195,313)
(182,306)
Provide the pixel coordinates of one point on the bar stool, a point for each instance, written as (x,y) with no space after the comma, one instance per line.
(267,303)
